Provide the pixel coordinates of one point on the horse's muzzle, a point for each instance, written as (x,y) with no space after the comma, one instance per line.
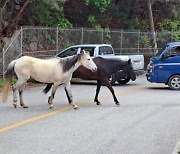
(94,70)
(133,79)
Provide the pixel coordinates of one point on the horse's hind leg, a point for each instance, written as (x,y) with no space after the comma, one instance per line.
(14,96)
(15,88)
(97,93)
(106,83)
(69,95)
(21,96)
(18,86)
(52,95)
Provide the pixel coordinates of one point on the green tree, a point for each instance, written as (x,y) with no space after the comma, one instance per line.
(102,5)
(47,13)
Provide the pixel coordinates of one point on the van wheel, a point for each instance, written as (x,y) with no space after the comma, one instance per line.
(124,80)
(174,82)
(112,79)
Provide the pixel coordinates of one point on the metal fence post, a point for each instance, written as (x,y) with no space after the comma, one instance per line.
(138,40)
(21,43)
(82,35)
(3,64)
(102,36)
(121,41)
(171,35)
(57,41)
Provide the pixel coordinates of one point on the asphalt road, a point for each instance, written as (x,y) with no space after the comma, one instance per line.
(147,122)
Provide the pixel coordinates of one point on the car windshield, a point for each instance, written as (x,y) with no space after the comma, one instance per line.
(157,54)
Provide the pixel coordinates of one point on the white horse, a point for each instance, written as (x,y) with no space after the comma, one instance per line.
(57,71)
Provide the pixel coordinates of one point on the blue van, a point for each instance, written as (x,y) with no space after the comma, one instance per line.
(164,67)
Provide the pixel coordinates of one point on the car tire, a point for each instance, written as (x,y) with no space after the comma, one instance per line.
(124,80)
(112,79)
(174,82)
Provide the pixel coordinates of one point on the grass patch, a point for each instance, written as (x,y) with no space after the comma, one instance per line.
(13,81)
(2,83)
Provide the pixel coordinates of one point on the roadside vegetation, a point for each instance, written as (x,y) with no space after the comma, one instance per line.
(1,83)
(13,81)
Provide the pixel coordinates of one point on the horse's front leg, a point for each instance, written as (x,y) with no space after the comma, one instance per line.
(69,95)
(106,83)
(52,95)
(14,89)
(97,93)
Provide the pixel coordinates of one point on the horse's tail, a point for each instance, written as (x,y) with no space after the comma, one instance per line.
(48,87)
(8,76)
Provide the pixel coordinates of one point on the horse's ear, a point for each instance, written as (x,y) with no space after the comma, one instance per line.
(83,52)
(129,61)
(87,52)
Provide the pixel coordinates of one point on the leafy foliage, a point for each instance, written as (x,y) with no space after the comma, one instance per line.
(2,83)
(94,23)
(46,13)
(168,24)
(113,14)
(171,25)
(102,5)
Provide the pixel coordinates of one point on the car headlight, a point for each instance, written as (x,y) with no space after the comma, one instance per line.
(151,68)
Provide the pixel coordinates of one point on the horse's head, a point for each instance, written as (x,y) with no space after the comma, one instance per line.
(129,71)
(87,61)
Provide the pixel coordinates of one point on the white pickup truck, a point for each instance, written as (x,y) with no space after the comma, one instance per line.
(106,51)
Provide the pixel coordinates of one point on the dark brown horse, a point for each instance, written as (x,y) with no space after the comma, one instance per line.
(106,67)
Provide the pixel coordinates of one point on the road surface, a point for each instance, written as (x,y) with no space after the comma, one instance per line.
(147,122)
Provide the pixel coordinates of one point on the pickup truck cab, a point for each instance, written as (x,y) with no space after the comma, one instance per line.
(106,51)
(164,67)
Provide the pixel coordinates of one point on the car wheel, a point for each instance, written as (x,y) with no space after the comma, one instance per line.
(174,82)
(112,79)
(124,80)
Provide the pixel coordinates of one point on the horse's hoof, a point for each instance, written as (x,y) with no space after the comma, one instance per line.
(75,107)
(25,107)
(118,104)
(14,105)
(51,106)
(98,103)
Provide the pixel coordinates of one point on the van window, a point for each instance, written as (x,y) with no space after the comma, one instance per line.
(157,54)
(173,52)
(177,49)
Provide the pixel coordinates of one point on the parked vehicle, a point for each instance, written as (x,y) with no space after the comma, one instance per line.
(164,67)
(106,51)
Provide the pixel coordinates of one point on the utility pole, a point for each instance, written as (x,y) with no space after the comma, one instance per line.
(151,24)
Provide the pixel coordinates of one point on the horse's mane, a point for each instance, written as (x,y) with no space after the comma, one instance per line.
(110,61)
(68,62)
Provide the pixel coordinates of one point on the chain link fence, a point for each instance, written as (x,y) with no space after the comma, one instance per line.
(46,42)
